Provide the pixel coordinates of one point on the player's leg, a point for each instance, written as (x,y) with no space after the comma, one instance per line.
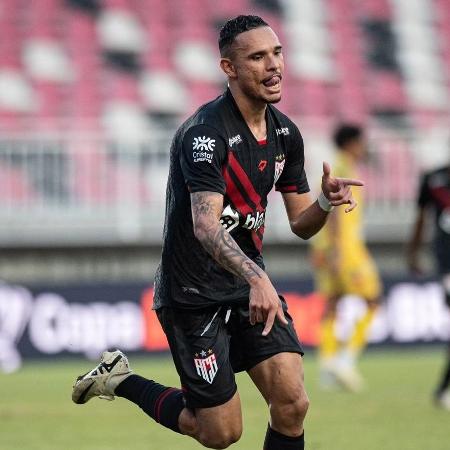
(328,284)
(328,345)
(208,409)
(215,427)
(360,278)
(358,338)
(280,381)
(275,365)
(442,394)
(199,344)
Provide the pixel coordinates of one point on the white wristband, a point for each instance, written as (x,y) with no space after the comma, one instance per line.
(324,203)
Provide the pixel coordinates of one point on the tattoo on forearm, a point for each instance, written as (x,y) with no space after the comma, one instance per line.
(218,242)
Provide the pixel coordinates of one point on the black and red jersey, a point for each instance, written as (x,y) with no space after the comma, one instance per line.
(214,150)
(435,193)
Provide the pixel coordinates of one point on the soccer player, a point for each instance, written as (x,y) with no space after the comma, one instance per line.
(217,306)
(344,266)
(434,198)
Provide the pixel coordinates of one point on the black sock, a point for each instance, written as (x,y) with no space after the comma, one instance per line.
(445,380)
(161,403)
(277,441)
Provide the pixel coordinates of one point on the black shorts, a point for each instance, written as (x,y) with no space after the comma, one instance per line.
(210,345)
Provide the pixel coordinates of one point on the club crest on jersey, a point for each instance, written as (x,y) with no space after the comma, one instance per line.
(279,166)
(206,365)
(203,149)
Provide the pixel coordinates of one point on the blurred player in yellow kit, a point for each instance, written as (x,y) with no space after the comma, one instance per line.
(344,266)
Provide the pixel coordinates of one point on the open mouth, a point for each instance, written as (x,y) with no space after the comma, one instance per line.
(272,81)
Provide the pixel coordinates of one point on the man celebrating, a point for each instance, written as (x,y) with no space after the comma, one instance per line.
(217,306)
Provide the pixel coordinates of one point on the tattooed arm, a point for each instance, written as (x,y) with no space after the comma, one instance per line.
(264,303)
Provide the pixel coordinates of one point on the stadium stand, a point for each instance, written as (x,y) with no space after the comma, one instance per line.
(62,52)
(115,69)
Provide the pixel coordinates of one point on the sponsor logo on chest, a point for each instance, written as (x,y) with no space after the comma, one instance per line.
(230,219)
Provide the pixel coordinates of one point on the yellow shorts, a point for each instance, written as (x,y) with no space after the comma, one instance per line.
(357,274)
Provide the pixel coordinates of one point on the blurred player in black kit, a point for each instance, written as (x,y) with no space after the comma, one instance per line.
(434,198)
(217,306)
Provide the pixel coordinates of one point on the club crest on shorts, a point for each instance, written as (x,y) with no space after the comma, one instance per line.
(206,365)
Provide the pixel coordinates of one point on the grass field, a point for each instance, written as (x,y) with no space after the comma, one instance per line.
(395,413)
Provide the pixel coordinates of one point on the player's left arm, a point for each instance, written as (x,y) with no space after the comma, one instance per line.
(306,217)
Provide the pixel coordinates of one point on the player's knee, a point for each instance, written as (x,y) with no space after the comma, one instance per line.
(219,439)
(292,410)
(298,408)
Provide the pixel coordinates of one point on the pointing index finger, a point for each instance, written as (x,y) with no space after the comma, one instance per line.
(351,181)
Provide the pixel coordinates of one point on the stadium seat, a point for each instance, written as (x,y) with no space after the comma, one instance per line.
(46,60)
(197,60)
(163,93)
(120,31)
(386,92)
(53,53)
(124,120)
(16,93)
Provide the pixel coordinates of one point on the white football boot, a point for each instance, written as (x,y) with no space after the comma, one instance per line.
(327,377)
(103,379)
(443,400)
(347,374)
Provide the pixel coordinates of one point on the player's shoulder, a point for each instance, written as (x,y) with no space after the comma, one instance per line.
(206,117)
(285,125)
(443,170)
(438,176)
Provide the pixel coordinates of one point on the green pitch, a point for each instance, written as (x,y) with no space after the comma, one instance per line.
(36,411)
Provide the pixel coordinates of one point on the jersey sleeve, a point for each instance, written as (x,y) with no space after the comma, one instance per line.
(424,192)
(293,178)
(202,156)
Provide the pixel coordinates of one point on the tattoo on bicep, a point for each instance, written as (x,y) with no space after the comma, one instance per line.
(201,204)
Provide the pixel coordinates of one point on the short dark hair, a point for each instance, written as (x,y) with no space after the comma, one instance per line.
(345,133)
(236,26)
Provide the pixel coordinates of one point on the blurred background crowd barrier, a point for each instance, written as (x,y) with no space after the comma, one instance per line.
(82,189)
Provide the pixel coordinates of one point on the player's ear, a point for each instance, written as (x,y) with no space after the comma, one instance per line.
(227,66)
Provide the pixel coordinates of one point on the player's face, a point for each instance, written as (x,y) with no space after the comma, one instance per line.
(258,64)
